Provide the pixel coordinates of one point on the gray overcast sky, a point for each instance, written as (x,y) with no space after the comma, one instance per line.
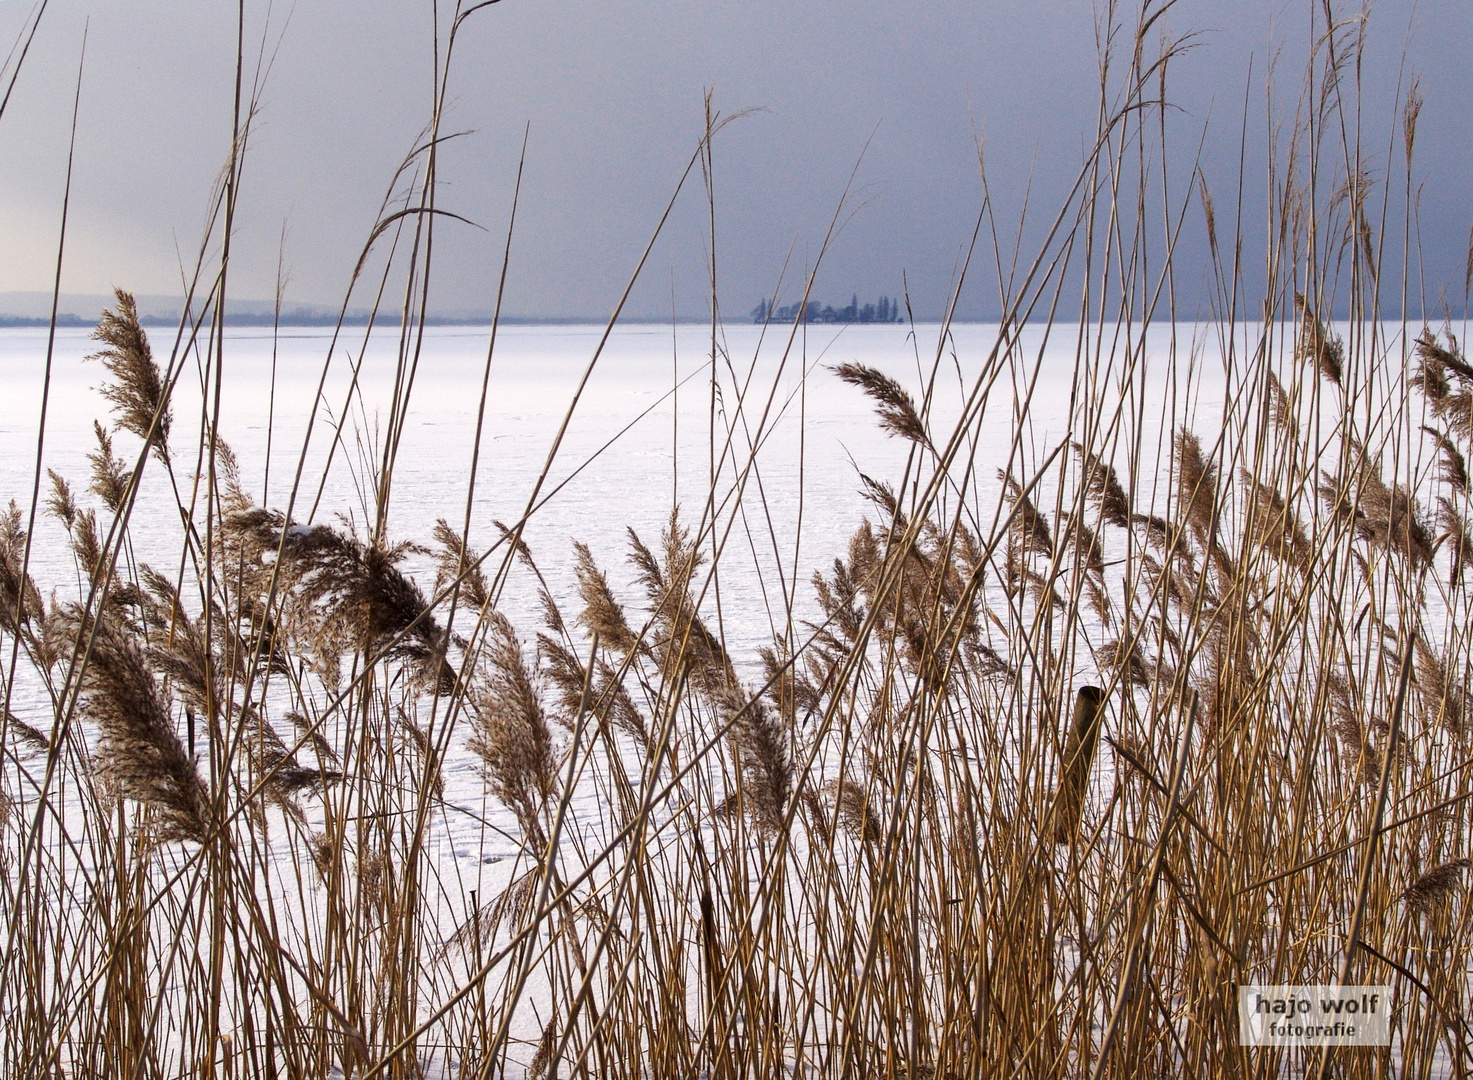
(612,91)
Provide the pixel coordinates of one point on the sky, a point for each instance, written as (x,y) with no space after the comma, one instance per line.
(896,103)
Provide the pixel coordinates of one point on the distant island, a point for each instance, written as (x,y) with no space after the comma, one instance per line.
(883,310)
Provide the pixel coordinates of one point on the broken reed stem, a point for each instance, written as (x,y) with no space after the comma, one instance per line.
(1079,754)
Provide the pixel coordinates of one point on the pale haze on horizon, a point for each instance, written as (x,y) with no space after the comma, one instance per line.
(611,96)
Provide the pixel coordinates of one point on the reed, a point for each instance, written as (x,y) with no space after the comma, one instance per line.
(881,846)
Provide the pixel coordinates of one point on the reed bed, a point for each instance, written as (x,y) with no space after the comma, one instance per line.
(1081,737)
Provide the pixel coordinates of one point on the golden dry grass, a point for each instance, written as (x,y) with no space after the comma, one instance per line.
(902,850)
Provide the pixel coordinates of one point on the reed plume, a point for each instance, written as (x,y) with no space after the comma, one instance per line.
(1029,527)
(1434,888)
(607,697)
(1272,524)
(358,592)
(602,613)
(896,408)
(137,388)
(283,776)
(1196,483)
(1446,697)
(1281,410)
(1102,487)
(456,561)
(761,749)
(1437,361)
(1385,516)
(856,810)
(510,733)
(110,475)
(139,750)
(61,503)
(20,599)
(1316,344)
(1456,536)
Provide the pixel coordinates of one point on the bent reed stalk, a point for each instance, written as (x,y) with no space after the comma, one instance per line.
(883,846)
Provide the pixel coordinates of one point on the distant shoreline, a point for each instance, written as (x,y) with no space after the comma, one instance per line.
(74,322)
(77,322)
(298,322)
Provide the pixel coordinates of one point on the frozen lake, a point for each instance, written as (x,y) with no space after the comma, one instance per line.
(639,439)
